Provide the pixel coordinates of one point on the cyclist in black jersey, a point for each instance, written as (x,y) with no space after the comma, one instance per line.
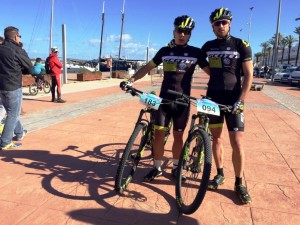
(179,61)
(228,57)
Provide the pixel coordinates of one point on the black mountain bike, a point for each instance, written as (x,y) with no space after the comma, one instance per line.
(196,157)
(141,139)
(39,85)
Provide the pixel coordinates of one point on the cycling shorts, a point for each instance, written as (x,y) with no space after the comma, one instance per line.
(234,122)
(179,114)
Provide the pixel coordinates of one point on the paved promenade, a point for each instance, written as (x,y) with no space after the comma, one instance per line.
(64,172)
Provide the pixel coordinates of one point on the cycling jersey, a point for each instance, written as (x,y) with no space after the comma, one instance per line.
(179,64)
(225,58)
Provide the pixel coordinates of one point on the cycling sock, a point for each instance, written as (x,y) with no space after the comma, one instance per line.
(157,164)
(238,181)
(175,163)
(220,171)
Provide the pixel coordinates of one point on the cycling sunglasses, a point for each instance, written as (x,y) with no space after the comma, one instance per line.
(219,22)
(180,31)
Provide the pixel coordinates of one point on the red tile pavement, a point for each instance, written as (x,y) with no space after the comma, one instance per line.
(64,173)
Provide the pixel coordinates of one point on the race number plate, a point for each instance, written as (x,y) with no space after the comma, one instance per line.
(207,106)
(150,100)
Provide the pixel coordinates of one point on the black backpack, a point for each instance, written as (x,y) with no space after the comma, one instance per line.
(47,65)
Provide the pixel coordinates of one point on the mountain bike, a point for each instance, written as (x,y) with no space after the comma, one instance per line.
(39,85)
(141,138)
(195,161)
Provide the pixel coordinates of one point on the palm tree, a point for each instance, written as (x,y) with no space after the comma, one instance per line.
(272,42)
(283,43)
(297,31)
(275,52)
(290,40)
(269,54)
(257,56)
(264,45)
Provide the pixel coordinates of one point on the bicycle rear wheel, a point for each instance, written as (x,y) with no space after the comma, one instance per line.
(46,87)
(131,157)
(195,163)
(33,89)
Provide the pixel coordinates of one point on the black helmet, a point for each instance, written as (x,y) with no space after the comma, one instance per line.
(221,13)
(184,22)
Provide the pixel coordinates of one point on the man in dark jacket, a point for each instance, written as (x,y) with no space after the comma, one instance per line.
(14,61)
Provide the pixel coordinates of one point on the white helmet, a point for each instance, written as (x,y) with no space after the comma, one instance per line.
(54,49)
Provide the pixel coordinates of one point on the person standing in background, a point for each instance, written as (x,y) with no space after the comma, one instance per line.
(55,73)
(14,61)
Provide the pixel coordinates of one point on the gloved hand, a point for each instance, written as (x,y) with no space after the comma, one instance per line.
(238,107)
(172,44)
(123,84)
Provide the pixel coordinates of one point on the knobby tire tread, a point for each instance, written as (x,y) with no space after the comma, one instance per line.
(119,179)
(191,208)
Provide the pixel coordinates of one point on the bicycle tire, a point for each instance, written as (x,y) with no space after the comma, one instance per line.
(195,163)
(33,89)
(131,157)
(46,87)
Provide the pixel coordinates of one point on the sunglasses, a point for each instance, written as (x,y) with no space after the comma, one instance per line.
(19,35)
(180,31)
(223,22)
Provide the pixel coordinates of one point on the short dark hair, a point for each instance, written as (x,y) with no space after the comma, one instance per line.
(10,32)
(38,59)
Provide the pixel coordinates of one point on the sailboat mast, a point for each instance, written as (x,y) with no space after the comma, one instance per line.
(101,34)
(51,25)
(121,30)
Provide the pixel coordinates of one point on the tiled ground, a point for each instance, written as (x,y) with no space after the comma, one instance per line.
(64,173)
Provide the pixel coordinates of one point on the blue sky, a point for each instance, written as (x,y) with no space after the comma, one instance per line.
(144,20)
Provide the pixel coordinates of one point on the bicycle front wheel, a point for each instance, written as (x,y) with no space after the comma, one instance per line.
(195,163)
(46,87)
(33,89)
(131,157)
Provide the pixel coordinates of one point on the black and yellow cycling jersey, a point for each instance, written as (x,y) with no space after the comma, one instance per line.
(178,65)
(225,58)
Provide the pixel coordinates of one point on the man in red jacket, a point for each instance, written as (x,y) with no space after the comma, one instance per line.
(55,66)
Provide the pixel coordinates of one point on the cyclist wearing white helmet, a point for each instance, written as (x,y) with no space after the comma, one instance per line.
(229,57)
(179,61)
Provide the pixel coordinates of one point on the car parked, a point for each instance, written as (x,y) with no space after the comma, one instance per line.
(283,76)
(294,78)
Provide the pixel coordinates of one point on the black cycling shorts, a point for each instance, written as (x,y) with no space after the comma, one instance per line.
(234,122)
(179,115)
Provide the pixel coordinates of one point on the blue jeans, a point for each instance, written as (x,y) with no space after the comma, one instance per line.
(11,101)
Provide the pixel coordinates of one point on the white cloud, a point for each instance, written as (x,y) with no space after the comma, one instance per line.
(94,42)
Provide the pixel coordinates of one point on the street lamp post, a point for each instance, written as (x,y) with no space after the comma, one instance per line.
(276,42)
(250,24)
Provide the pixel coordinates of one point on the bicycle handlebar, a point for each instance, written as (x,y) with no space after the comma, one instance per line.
(225,108)
(133,91)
